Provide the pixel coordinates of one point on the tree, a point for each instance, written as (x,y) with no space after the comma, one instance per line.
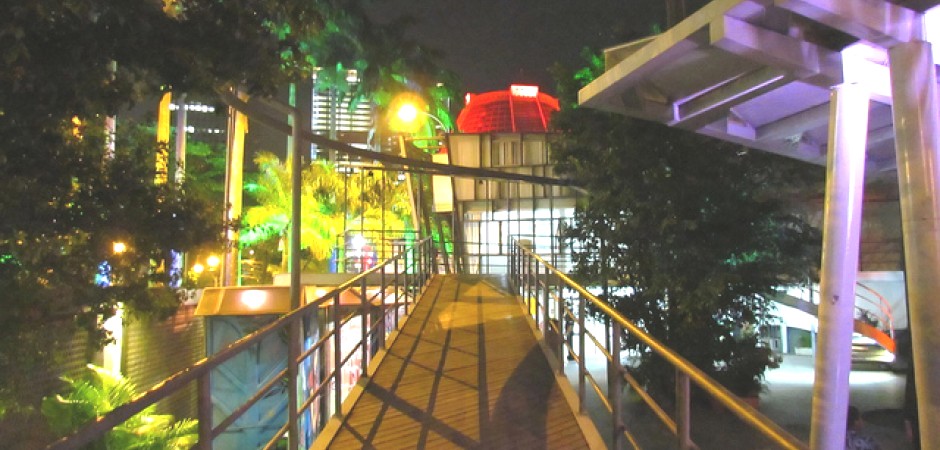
(64,197)
(62,215)
(695,234)
(333,203)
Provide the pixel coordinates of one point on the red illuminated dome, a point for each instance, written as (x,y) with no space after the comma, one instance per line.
(521,109)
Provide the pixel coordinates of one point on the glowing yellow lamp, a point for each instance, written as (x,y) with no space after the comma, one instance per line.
(405,111)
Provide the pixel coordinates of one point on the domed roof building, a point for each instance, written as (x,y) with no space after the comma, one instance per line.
(504,130)
(520,109)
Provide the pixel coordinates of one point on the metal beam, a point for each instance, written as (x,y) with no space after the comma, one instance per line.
(711,105)
(875,21)
(802,59)
(795,124)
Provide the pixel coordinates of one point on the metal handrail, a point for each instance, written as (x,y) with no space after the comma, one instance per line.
(411,272)
(532,277)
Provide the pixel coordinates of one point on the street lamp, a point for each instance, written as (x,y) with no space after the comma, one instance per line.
(212,265)
(405,111)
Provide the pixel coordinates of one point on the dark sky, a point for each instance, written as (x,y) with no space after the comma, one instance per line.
(491,44)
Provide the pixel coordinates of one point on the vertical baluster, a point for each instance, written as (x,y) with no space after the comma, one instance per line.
(683,414)
(383,307)
(366,332)
(562,328)
(337,357)
(396,291)
(546,299)
(293,353)
(615,387)
(582,364)
(204,407)
(405,282)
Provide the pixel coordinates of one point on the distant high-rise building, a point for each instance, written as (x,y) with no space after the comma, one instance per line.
(334,116)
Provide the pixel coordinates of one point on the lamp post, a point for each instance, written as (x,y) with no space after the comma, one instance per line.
(407,109)
(408,113)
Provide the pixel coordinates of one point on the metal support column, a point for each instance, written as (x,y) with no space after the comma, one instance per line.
(917,136)
(842,219)
(294,331)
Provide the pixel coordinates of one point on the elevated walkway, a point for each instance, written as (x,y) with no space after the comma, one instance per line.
(465,371)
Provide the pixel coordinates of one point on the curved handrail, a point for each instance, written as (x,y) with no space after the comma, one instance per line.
(415,274)
(883,339)
(528,276)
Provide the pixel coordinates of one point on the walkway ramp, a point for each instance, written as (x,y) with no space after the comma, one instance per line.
(466,371)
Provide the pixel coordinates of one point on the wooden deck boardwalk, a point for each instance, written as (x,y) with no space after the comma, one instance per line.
(466,371)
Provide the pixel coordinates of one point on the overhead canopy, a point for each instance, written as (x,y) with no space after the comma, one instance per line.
(759,72)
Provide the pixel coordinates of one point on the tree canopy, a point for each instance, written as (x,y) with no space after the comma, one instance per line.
(695,234)
(66,196)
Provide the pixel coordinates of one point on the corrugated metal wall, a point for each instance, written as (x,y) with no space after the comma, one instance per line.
(154,350)
(29,431)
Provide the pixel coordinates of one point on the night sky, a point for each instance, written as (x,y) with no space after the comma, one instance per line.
(491,44)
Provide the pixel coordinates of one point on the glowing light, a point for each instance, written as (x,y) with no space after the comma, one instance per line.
(118,247)
(198,268)
(408,113)
(253,299)
(405,109)
(358,241)
(213,262)
(320,292)
(519,90)
(77,127)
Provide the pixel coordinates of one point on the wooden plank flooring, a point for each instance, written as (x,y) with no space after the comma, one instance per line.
(465,372)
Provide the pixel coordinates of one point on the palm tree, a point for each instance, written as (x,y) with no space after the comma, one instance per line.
(333,204)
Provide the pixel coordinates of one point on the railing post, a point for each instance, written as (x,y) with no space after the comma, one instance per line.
(384,294)
(204,411)
(615,388)
(527,279)
(562,327)
(397,288)
(337,357)
(582,364)
(511,269)
(364,305)
(534,292)
(546,294)
(683,414)
(405,274)
(293,353)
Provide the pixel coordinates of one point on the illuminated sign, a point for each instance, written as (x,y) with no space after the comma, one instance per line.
(519,90)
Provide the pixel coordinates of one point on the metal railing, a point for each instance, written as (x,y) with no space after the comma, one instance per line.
(402,278)
(542,288)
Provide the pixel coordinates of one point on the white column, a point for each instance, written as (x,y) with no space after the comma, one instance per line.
(917,136)
(848,129)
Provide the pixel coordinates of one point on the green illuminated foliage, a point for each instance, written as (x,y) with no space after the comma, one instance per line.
(97,392)
(332,203)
